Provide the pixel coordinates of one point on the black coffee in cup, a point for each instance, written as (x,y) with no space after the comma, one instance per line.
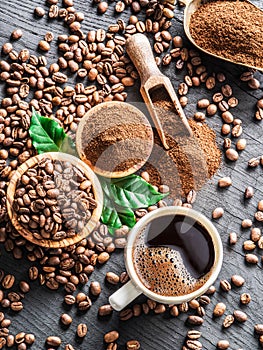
(173,255)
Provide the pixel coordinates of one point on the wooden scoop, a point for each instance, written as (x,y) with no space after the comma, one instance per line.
(192,6)
(152,80)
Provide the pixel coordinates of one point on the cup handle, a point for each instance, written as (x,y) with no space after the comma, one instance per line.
(124,296)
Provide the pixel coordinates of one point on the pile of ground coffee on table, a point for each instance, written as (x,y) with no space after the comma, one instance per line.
(190,161)
(231,29)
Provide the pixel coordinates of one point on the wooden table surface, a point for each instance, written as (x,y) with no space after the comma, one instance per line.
(42,308)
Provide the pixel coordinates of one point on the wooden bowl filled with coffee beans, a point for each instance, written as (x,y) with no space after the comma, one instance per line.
(54,200)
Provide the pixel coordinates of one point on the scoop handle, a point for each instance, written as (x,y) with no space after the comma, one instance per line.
(140,52)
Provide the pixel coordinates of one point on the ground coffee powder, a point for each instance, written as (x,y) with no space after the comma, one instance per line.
(231,29)
(190,161)
(115,139)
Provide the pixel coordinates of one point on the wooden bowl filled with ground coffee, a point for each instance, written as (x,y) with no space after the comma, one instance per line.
(54,200)
(115,139)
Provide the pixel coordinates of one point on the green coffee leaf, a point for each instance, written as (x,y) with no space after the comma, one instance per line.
(132,192)
(123,196)
(114,217)
(48,136)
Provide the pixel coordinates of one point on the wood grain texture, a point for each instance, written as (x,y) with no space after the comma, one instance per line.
(43,307)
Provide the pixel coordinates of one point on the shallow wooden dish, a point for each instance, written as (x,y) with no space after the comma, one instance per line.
(121,108)
(49,243)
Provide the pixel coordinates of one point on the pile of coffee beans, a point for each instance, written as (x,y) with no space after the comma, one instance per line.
(54,200)
(21,340)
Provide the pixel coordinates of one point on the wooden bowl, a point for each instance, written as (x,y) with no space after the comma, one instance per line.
(49,243)
(116,110)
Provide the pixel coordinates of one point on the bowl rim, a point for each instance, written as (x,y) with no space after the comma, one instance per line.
(82,125)
(91,224)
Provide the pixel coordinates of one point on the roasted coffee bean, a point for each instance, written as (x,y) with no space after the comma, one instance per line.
(227,143)
(228,321)
(241,144)
(223,344)
(24,286)
(112,278)
(203,103)
(225,130)
(111,337)
(103,257)
(259,216)
(223,106)
(258,328)
(191,197)
(82,330)
(246,223)
(53,341)
(251,258)
(182,89)
(8,281)
(237,280)
(218,213)
(232,102)
(95,288)
(2,342)
(105,310)
(126,314)
(39,11)
(20,337)
(249,192)
(211,109)
(66,319)
(219,309)
(193,334)
(226,90)
(137,310)
(102,7)
(225,285)
(16,34)
(29,338)
(159,309)
(253,162)
(249,245)
(33,273)
(240,316)
(69,347)
(194,344)
(225,182)
(195,320)
(199,116)
(255,235)
(245,298)
(254,84)
(193,304)
(44,45)
(133,345)
(231,155)
(4,332)
(10,341)
(210,83)
(174,311)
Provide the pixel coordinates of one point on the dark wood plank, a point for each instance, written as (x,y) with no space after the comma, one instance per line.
(43,307)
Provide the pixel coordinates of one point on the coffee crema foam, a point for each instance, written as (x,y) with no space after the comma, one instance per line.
(162,270)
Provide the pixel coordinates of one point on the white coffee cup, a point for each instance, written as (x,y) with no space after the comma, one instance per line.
(132,289)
